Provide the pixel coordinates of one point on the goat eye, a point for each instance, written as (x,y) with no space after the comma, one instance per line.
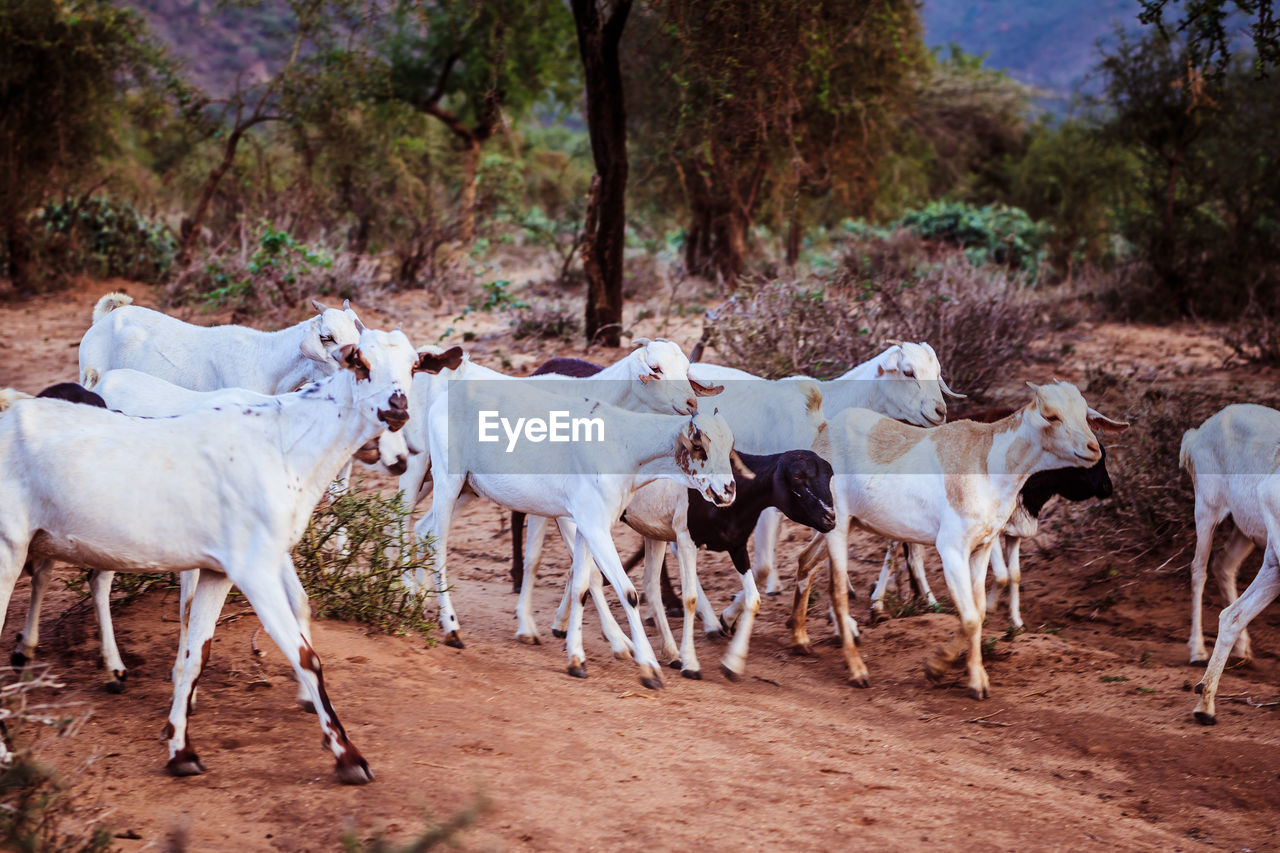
(657,371)
(909,373)
(1053,419)
(326,339)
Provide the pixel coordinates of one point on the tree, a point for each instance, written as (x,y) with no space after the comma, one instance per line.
(769,100)
(599,34)
(1205,25)
(466,63)
(63,67)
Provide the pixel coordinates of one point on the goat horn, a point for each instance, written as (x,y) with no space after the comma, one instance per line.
(640,342)
(942,383)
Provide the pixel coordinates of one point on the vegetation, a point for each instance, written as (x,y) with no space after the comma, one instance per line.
(352,559)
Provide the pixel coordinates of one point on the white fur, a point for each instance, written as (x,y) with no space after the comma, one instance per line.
(207,358)
(226,492)
(956,497)
(585,485)
(1228,457)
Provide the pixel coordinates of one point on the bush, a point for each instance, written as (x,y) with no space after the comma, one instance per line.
(1152,509)
(362,580)
(103,237)
(978,319)
(37,810)
(546,322)
(992,234)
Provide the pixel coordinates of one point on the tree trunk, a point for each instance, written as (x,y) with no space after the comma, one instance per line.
(795,234)
(190,229)
(607,125)
(467,195)
(717,243)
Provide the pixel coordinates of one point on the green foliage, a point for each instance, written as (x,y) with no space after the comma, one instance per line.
(1202,202)
(105,237)
(60,80)
(1211,29)
(362,580)
(765,102)
(497,297)
(280,271)
(989,234)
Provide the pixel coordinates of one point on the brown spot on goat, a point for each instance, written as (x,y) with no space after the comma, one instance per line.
(890,440)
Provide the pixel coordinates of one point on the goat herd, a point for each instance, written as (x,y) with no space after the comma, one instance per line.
(205,450)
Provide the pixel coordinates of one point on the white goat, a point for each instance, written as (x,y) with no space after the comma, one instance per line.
(585,484)
(225,491)
(139,394)
(652,378)
(952,486)
(1265,587)
(207,358)
(1228,456)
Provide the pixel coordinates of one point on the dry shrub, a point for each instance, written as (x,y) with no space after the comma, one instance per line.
(553,321)
(37,808)
(979,319)
(1255,338)
(361,579)
(1152,511)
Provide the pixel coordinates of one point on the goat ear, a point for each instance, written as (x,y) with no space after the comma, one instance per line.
(311,346)
(739,467)
(346,305)
(432,363)
(352,359)
(640,342)
(319,306)
(1101,422)
(701,390)
(891,360)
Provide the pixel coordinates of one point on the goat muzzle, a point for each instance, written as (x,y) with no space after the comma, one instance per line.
(399,466)
(396,416)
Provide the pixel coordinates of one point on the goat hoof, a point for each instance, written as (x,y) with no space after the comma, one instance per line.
(726,630)
(1199,688)
(558,634)
(804,649)
(17,660)
(653,683)
(529,639)
(452,639)
(354,772)
(729,674)
(675,612)
(578,670)
(676,663)
(879,616)
(622,654)
(934,672)
(307,706)
(185,764)
(859,681)
(115,685)
(1206,719)
(691,674)
(978,693)
(774,594)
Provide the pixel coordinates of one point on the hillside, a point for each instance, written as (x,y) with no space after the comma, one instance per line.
(1051,45)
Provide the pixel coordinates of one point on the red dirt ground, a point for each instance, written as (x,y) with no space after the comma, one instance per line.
(790,758)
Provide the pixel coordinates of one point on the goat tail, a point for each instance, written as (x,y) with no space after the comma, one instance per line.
(1184,455)
(9,396)
(109,303)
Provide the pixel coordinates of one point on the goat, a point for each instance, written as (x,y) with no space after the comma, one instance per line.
(953,486)
(1073,484)
(903,382)
(1236,616)
(139,394)
(797,483)
(652,378)
(207,358)
(1228,456)
(585,485)
(227,491)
